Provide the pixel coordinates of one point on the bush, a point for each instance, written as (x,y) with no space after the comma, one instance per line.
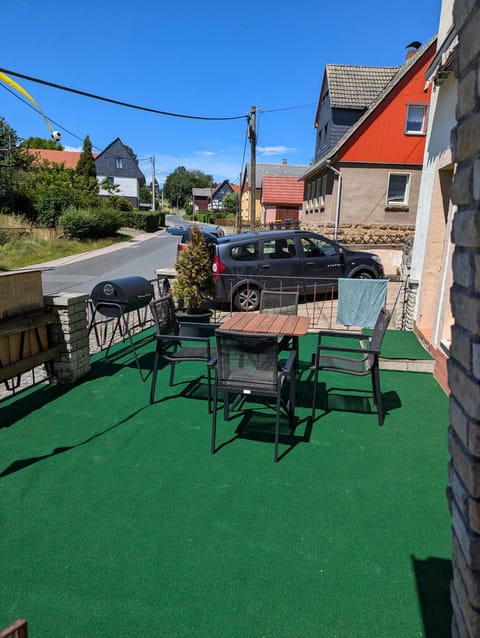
(148,221)
(91,223)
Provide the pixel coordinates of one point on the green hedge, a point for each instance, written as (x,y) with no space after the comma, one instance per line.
(147,221)
(91,223)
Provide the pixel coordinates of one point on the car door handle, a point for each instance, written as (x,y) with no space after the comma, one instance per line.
(310,263)
(265,266)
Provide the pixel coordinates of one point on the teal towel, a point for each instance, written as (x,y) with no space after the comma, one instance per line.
(360,301)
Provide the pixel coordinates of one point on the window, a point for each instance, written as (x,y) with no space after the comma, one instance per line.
(323,190)
(119,162)
(398,186)
(416,119)
(279,248)
(315,247)
(245,252)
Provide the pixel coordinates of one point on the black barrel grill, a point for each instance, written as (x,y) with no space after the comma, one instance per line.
(116,297)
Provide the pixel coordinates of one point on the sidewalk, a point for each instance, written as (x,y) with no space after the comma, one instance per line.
(135,237)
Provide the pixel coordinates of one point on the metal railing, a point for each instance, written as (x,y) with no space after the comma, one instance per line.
(319,305)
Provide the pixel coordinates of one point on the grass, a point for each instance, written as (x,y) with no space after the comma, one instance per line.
(23,251)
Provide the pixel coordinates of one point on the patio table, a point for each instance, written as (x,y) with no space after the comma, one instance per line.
(269,323)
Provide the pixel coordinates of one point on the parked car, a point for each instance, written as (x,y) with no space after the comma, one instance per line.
(210,232)
(289,259)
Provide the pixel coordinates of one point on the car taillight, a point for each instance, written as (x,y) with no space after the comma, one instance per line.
(180,247)
(217,267)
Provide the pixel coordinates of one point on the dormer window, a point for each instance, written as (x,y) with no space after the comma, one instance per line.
(416,122)
(119,162)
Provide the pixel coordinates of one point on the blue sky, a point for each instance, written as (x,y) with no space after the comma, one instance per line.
(210,58)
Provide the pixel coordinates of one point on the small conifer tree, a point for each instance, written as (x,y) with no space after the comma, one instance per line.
(86,163)
(194,282)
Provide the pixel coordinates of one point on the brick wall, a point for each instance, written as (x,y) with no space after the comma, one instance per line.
(464,363)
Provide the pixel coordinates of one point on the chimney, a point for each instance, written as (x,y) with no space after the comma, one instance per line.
(284,162)
(412,49)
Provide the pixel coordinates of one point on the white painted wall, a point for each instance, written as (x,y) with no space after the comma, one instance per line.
(128,187)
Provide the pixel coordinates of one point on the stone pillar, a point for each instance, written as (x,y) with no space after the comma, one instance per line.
(70,334)
(463,365)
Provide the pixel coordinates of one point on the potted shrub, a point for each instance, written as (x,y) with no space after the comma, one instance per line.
(194,282)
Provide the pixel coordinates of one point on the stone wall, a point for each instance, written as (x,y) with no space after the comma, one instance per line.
(70,334)
(371,234)
(464,363)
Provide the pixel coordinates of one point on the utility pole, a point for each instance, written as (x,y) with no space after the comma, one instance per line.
(153,182)
(252,136)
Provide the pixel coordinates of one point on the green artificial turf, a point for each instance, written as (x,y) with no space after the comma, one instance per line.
(402,344)
(117,521)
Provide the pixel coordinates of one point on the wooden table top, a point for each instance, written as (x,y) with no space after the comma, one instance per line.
(267,323)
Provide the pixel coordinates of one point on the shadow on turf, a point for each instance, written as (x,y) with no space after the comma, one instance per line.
(21,464)
(433,577)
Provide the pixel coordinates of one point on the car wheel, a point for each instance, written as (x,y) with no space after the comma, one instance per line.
(363,275)
(247,298)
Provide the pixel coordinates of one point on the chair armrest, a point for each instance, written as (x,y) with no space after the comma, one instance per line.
(353,350)
(212,362)
(290,363)
(181,338)
(343,334)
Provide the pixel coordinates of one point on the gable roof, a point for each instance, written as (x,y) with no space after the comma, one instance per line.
(356,87)
(275,170)
(282,190)
(201,192)
(105,161)
(68,158)
(397,78)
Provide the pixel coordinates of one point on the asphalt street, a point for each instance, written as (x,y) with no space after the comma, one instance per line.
(140,255)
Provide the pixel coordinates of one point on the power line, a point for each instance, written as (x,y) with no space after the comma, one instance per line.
(118,102)
(289,108)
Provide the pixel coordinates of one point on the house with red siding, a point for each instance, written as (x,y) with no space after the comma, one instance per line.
(282,198)
(370,140)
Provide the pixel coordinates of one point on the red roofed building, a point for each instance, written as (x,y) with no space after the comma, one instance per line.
(68,158)
(282,198)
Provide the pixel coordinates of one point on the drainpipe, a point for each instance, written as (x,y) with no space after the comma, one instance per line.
(339,192)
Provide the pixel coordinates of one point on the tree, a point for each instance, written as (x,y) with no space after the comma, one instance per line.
(230,203)
(86,163)
(194,282)
(41,142)
(178,185)
(87,173)
(13,160)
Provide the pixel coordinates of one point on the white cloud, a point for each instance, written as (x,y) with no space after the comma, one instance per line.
(72,149)
(205,153)
(275,150)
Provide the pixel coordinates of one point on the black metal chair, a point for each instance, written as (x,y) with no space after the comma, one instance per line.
(361,360)
(246,365)
(279,301)
(177,342)
(283,303)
